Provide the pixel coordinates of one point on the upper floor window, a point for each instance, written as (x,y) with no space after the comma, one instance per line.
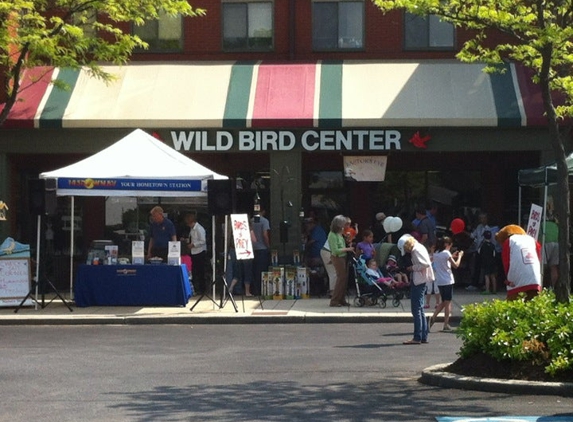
(427,33)
(163,34)
(247,26)
(337,25)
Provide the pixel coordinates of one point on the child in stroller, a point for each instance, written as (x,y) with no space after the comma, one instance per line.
(373,286)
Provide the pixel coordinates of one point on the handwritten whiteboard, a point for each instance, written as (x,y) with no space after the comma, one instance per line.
(15,276)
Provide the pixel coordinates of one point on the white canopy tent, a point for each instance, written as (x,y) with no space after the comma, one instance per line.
(136,165)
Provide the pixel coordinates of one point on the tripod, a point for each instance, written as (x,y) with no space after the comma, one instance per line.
(40,281)
(226,295)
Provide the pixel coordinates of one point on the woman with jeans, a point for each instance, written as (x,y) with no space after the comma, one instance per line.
(422,273)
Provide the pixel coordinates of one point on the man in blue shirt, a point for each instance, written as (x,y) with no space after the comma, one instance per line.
(161,231)
(316,237)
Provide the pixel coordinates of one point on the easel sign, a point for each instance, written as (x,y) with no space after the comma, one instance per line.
(534,223)
(242,236)
(15,277)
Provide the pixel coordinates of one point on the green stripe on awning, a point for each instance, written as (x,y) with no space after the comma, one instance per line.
(55,107)
(506,103)
(238,94)
(330,105)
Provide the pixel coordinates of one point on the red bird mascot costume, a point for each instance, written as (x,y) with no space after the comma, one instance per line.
(520,254)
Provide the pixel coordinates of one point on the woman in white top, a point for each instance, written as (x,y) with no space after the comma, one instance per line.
(443,263)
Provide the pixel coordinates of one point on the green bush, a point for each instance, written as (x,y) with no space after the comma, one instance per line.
(539,331)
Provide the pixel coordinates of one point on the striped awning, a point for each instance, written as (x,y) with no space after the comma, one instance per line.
(285,95)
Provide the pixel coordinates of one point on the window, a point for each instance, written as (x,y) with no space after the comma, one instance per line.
(248,26)
(337,25)
(163,34)
(427,32)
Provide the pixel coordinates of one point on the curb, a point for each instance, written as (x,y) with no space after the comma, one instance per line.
(437,377)
(205,319)
(259,317)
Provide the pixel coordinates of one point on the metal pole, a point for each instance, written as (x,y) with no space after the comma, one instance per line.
(37,278)
(72,248)
(213,258)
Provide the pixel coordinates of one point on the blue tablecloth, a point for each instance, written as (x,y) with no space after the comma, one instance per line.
(132,285)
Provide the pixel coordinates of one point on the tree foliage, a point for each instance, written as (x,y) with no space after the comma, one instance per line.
(72,34)
(539,35)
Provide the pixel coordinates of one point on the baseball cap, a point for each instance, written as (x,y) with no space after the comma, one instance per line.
(402,241)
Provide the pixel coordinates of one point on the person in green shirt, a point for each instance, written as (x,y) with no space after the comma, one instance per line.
(551,250)
(338,250)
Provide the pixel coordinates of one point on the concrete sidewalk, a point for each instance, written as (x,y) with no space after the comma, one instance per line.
(249,311)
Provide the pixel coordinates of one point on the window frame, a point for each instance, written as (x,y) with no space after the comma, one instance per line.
(338,48)
(248,48)
(428,46)
(155,47)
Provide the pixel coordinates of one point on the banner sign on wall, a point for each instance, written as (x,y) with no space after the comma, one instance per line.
(365,168)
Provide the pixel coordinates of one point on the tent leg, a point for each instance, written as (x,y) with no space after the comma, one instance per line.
(72,247)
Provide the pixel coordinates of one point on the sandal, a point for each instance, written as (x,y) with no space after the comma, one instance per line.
(411,342)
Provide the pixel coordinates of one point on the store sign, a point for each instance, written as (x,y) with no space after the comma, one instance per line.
(284,140)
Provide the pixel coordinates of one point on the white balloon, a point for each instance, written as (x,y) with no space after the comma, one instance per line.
(395,224)
(386,224)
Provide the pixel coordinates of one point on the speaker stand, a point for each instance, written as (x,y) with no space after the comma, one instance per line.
(38,280)
(225,296)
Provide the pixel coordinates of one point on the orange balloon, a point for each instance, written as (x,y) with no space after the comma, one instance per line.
(350,233)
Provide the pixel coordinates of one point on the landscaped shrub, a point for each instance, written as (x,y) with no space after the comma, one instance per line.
(539,331)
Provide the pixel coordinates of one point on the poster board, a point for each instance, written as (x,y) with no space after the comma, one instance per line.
(534,223)
(15,277)
(242,236)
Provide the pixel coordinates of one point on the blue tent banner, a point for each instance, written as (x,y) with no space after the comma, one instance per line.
(113,184)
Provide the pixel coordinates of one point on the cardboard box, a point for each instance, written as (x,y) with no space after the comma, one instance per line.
(302,283)
(267,285)
(290,280)
(296,257)
(278,277)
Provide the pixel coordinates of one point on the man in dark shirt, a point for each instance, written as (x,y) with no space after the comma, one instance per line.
(426,229)
(161,231)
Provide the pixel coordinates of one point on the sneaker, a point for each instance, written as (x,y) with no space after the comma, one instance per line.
(447,328)
(471,288)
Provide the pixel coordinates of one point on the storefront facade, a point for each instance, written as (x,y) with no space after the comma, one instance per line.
(448,132)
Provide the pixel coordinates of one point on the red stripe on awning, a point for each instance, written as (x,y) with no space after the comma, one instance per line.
(532,99)
(34,84)
(284,96)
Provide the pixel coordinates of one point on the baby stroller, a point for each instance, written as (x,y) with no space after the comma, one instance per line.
(370,293)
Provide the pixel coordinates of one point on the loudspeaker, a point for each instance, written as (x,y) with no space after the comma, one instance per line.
(220,197)
(42,196)
(51,199)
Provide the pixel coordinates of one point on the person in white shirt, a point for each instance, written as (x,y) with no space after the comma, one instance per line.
(422,272)
(444,260)
(197,244)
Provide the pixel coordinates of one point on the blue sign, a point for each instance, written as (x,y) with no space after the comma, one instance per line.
(111,184)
